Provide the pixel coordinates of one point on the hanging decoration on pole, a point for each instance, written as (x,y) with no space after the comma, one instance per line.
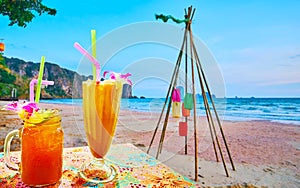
(194,68)
(176,101)
(166,18)
(2,46)
(185,112)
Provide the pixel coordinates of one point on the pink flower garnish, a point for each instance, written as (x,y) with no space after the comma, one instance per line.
(29,107)
(118,76)
(12,107)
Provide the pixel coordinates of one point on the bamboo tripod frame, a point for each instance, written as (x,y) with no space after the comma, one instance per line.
(194,62)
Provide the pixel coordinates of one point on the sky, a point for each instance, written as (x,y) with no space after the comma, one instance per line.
(255,44)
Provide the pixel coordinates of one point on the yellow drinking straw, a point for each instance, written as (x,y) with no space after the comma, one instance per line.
(39,82)
(93,38)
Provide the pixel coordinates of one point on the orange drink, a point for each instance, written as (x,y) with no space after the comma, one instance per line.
(101,104)
(41,148)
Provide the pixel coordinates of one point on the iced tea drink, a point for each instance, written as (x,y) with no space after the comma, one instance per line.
(41,148)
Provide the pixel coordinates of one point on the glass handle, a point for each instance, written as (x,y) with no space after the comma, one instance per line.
(9,163)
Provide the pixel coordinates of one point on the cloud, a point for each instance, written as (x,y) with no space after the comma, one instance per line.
(262,66)
(295,56)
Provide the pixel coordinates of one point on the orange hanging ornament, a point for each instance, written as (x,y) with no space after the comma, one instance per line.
(2,46)
(185,112)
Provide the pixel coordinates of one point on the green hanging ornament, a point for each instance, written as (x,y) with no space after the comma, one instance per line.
(188,101)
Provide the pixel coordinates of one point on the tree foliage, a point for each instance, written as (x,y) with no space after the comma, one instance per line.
(6,77)
(1,59)
(21,12)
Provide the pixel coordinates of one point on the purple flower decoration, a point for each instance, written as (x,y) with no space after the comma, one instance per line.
(118,76)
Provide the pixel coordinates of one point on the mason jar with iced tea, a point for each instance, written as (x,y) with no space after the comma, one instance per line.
(41,148)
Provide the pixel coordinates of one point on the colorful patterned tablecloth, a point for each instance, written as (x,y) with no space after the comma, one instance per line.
(135,169)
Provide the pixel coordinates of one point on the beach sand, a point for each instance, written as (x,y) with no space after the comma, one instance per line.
(264,153)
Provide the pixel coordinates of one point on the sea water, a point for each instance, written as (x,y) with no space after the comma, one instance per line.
(284,110)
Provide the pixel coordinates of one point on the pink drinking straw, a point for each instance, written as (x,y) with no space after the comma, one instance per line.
(91,58)
(31,87)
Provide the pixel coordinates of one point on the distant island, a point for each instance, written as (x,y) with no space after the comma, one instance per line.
(17,73)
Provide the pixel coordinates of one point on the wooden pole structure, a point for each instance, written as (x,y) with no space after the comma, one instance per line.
(209,117)
(213,105)
(176,69)
(206,105)
(185,88)
(195,61)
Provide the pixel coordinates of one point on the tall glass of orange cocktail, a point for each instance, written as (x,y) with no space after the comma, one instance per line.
(41,148)
(101,104)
